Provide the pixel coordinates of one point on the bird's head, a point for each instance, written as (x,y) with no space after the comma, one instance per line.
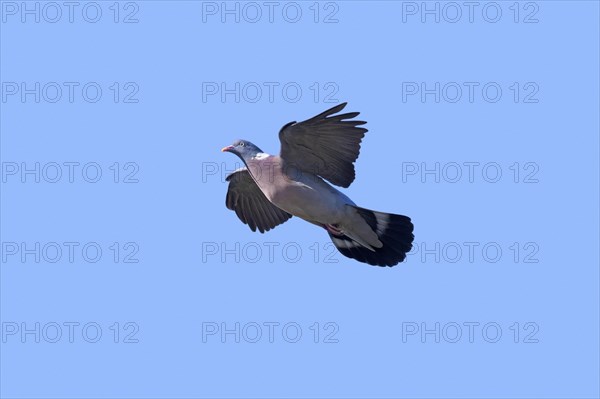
(243,149)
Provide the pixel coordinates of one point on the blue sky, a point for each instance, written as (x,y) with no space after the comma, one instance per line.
(120,258)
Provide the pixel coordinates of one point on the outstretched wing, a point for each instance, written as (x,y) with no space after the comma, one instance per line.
(250,204)
(326,145)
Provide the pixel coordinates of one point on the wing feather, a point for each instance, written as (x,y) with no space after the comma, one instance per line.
(326,145)
(250,204)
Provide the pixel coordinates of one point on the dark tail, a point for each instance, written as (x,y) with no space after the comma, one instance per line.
(394,231)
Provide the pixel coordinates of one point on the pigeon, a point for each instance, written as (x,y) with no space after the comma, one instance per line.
(270,189)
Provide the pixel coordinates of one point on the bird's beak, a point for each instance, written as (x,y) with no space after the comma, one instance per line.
(229,148)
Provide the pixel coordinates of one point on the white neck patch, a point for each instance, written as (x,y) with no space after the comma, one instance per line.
(262,155)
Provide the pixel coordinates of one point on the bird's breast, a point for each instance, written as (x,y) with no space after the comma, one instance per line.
(303,195)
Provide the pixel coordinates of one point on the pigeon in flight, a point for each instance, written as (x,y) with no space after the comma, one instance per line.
(271,189)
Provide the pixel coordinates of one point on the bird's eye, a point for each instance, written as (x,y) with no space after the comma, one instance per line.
(242,144)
